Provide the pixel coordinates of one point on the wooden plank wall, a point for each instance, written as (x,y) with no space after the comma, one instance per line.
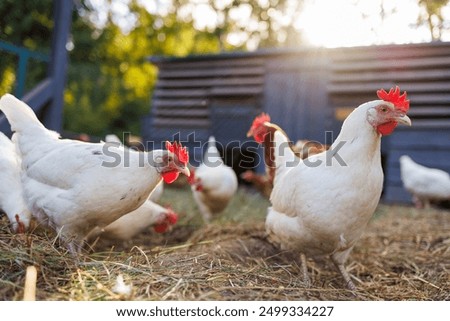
(294,94)
(198,97)
(423,70)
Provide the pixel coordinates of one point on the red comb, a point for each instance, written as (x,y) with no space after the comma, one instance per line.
(261,119)
(178,150)
(394,97)
(170,219)
(257,128)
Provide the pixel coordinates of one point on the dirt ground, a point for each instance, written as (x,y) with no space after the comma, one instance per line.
(403,255)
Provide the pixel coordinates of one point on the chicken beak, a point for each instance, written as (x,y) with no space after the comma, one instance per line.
(250,133)
(185,171)
(403,119)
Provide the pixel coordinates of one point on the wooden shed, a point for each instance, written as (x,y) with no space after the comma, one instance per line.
(308,93)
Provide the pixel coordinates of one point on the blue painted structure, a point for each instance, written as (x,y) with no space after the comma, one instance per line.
(24,55)
(47,97)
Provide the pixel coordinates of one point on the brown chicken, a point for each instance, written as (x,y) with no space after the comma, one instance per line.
(302,149)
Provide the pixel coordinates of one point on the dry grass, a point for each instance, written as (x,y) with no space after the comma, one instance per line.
(404,255)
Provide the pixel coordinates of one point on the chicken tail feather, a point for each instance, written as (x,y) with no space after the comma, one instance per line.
(20,116)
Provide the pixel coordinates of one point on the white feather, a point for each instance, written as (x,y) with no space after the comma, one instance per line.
(423,182)
(121,288)
(219,183)
(157,192)
(12,200)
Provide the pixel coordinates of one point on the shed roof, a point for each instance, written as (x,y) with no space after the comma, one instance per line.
(271,52)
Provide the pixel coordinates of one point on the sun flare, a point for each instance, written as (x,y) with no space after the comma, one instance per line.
(342,23)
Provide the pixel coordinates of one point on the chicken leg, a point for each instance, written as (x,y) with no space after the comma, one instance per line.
(306,279)
(340,266)
(21,229)
(75,247)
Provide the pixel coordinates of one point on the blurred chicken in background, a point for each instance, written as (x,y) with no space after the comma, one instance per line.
(425,184)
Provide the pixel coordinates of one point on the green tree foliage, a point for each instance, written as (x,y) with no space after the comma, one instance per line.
(253,23)
(431,16)
(28,24)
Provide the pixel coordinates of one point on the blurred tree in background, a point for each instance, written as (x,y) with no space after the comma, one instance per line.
(431,16)
(32,31)
(253,23)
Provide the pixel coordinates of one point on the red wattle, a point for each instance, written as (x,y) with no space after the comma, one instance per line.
(259,138)
(170,177)
(387,128)
(172,218)
(161,228)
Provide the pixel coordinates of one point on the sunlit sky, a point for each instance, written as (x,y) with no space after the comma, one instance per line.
(342,23)
(328,23)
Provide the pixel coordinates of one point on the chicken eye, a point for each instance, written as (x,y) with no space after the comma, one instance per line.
(383,109)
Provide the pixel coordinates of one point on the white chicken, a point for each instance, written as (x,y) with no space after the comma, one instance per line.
(75,186)
(157,192)
(213,183)
(131,224)
(425,184)
(321,205)
(12,201)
